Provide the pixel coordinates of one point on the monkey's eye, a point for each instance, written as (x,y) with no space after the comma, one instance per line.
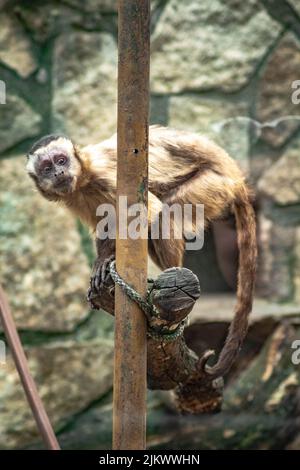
(60,160)
(46,168)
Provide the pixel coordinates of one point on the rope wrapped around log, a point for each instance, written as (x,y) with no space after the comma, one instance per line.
(171,364)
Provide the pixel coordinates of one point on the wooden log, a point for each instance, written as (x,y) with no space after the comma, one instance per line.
(171,365)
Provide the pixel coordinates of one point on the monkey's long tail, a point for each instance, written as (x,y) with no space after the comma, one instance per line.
(246,232)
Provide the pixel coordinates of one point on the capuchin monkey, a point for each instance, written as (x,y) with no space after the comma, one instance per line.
(184,168)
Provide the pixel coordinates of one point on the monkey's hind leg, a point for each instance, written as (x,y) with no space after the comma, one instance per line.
(166,252)
(166,241)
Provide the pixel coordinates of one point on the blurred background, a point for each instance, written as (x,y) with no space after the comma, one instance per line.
(224,69)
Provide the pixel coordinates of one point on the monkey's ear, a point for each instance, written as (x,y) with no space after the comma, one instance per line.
(30,164)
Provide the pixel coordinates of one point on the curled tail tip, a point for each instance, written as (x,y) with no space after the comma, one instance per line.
(246,231)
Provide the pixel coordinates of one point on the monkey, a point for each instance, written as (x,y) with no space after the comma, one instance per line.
(184,168)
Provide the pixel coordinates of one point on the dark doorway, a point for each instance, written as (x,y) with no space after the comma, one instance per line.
(216,264)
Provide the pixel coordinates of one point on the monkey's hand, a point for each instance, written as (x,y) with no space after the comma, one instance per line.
(99,275)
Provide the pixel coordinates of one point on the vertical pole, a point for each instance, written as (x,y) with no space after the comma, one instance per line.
(36,405)
(129,415)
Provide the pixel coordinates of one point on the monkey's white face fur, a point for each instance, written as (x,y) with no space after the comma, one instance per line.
(54,166)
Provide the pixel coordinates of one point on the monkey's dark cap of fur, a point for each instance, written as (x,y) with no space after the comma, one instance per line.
(44,141)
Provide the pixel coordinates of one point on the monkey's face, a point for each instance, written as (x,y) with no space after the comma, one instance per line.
(54,166)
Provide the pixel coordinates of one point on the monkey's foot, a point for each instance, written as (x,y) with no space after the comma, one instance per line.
(89,297)
(100,274)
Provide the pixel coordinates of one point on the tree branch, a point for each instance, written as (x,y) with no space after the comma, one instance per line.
(171,364)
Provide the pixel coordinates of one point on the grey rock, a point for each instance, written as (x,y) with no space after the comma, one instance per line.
(93,428)
(105,6)
(274,102)
(281,182)
(47,19)
(85,86)
(275,277)
(15,47)
(209,44)
(260,162)
(296,5)
(297,266)
(42,267)
(17,121)
(69,377)
(224,122)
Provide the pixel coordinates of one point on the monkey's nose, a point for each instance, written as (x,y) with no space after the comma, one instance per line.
(62,181)
(59,173)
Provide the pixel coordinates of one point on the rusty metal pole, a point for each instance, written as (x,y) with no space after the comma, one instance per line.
(36,405)
(129,415)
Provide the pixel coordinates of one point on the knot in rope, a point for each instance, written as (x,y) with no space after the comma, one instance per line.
(149,309)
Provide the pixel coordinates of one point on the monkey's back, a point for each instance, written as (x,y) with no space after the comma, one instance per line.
(175,157)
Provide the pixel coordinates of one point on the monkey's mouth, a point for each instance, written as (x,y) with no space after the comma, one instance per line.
(64,185)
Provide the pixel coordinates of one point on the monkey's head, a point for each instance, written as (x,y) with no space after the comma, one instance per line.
(54,165)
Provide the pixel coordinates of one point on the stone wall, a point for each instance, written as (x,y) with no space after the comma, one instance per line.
(221,68)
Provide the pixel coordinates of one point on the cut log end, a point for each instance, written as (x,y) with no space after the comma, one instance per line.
(174,293)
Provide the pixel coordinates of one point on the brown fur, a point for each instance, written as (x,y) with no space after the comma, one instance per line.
(183,168)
